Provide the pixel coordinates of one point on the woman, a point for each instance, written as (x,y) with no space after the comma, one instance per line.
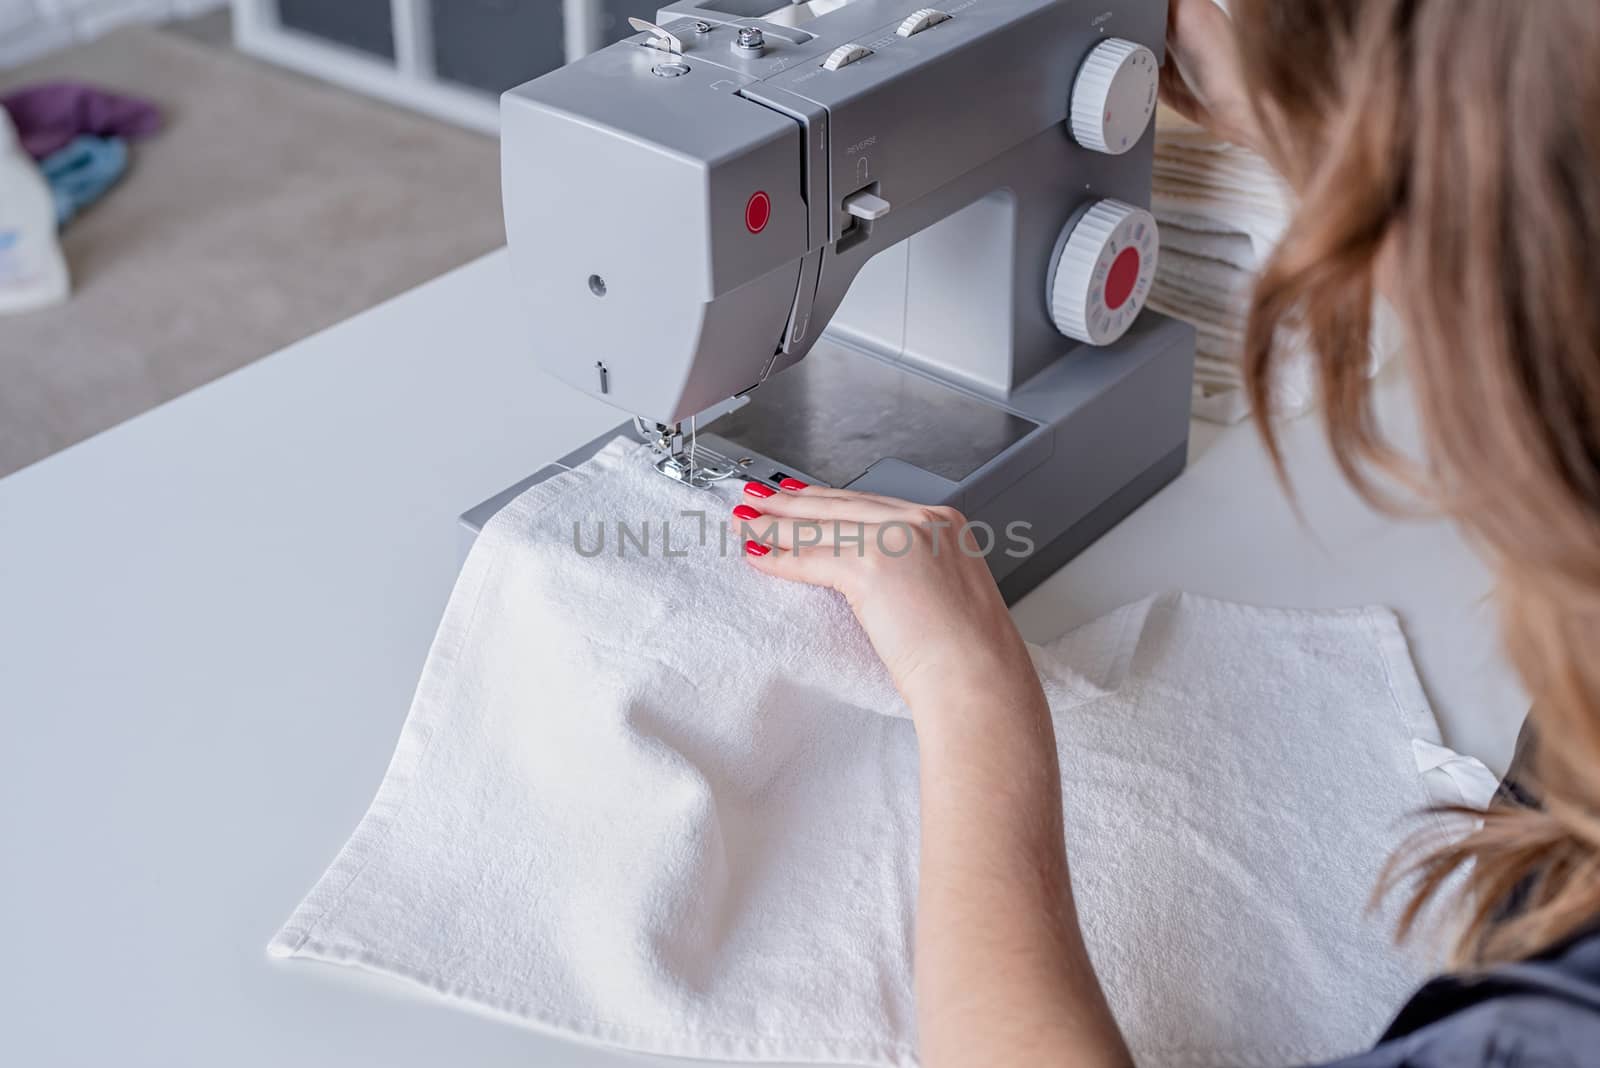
(1446,153)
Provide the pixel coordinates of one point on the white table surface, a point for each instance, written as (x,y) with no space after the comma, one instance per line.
(212,618)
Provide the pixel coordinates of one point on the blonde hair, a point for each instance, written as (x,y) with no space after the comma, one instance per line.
(1452,148)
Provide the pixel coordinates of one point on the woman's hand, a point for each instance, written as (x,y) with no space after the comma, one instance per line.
(913,577)
(1202,78)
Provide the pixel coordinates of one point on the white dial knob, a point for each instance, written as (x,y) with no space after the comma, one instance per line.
(1114,96)
(919,20)
(1104,264)
(845,55)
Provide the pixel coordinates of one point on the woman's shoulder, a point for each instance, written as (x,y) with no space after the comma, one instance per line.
(1531,1014)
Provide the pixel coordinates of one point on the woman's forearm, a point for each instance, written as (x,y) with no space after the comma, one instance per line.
(1002,973)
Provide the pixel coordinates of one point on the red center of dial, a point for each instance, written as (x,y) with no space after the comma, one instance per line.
(1121,279)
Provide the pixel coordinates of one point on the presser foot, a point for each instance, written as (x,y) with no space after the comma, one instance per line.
(682,459)
(699,472)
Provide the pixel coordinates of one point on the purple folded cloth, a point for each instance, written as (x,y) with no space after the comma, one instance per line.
(49,116)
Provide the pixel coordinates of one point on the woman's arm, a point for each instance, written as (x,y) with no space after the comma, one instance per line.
(1002,974)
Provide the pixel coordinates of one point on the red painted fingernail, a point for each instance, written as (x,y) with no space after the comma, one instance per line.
(758,489)
(792,484)
(755,548)
(745,512)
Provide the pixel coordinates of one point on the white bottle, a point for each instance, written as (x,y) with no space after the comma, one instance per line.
(33,273)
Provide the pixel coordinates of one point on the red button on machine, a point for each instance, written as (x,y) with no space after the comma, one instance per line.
(1122,277)
(757,212)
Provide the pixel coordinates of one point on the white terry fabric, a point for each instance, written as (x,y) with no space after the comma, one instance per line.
(1221,210)
(669,803)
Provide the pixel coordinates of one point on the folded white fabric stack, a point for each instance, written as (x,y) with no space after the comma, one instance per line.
(1222,209)
(652,798)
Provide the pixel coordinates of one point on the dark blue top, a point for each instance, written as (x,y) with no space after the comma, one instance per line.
(1533,1014)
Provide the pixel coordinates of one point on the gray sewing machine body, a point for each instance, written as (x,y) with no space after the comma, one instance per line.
(868,225)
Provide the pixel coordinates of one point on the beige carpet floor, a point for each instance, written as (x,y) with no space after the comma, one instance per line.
(269,208)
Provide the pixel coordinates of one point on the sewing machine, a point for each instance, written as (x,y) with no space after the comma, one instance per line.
(863,243)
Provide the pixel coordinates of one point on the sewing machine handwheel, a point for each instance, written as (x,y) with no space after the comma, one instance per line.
(1102,270)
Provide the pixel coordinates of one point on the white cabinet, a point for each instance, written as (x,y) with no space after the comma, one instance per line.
(450,58)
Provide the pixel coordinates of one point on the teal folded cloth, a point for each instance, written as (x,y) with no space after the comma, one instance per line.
(80,172)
